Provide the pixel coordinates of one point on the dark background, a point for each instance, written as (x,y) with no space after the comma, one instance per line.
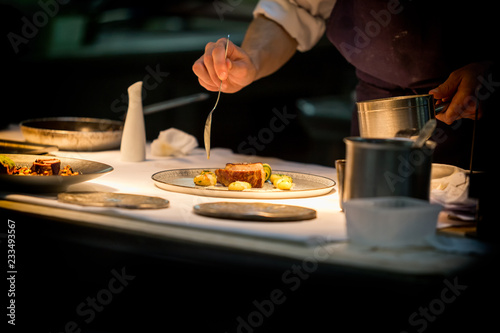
(181,286)
(80,58)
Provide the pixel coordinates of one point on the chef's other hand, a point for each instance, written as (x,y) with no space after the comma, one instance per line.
(236,72)
(460,89)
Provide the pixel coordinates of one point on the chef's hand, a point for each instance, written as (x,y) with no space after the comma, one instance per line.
(236,72)
(460,89)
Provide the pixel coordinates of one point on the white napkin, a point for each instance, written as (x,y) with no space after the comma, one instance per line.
(173,142)
(451,189)
(453,193)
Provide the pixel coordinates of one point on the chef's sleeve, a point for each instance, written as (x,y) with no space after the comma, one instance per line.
(304,20)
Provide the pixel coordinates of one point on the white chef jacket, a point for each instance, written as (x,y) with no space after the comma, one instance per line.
(304,20)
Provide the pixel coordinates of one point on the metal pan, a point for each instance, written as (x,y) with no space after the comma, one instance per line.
(383,118)
(74,133)
(89,134)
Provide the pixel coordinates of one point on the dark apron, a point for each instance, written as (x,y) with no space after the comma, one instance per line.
(405,48)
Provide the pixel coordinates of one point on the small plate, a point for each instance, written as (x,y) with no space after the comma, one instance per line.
(443,170)
(110,199)
(255,211)
(88,170)
(181,180)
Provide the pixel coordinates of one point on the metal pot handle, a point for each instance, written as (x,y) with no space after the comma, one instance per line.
(442,107)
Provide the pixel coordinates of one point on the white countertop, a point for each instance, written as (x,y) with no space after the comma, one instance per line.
(323,238)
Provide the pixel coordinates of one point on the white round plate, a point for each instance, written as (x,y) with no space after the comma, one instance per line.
(181,180)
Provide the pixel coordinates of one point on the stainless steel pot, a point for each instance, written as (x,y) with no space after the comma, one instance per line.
(386,167)
(383,118)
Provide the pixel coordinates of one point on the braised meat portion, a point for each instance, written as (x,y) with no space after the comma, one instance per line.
(50,166)
(252,173)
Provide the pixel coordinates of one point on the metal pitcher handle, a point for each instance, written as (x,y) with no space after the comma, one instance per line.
(442,107)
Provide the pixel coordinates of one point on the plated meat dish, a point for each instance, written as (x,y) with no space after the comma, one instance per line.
(40,167)
(252,173)
(244,176)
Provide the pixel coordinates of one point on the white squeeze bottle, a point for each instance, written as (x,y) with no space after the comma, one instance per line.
(133,146)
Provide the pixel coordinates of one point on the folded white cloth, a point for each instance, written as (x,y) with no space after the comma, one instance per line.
(452,192)
(451,189)
(173,142)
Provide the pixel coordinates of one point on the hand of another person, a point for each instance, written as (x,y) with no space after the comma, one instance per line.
(461,89)
(236,72)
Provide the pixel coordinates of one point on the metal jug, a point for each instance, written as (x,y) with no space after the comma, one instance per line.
(386,167)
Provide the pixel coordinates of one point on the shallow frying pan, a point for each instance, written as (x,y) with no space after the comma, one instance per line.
(89,134)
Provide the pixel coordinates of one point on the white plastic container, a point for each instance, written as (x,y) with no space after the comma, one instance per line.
(390,221)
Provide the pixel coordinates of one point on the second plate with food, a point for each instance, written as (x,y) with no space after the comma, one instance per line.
(181,180)
(86,169)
